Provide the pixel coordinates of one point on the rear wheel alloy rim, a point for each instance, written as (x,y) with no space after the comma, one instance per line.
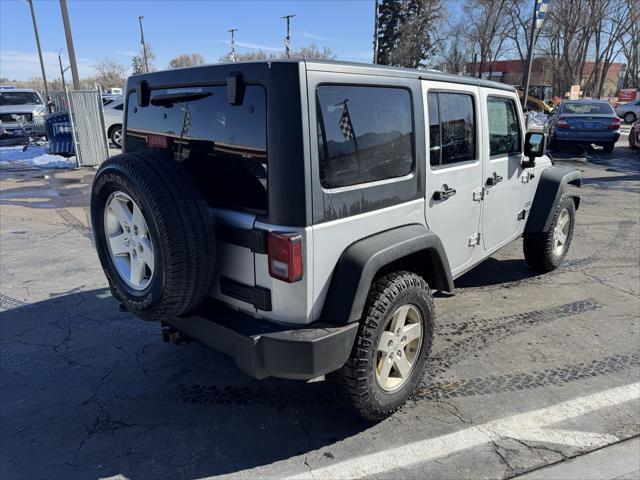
(128,240)
(399,348)
(561,233)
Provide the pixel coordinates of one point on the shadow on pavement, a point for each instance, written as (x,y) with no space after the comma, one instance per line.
(495,272)
(88,391)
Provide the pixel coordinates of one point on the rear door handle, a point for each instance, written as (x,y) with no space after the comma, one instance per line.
(444,193)
(492,181)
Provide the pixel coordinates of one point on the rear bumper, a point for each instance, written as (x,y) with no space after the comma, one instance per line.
(586,136)
(261,348)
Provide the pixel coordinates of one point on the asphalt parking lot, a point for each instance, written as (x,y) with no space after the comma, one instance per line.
(527,369)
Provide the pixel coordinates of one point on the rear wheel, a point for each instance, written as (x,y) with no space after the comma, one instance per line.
(153,235)
(608,147)
(632,139)
(629,117)
(390,353)
(545,251)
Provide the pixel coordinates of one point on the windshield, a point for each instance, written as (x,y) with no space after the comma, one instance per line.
(19,98)
(587,108)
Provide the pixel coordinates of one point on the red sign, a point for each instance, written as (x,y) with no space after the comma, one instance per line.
(627,94)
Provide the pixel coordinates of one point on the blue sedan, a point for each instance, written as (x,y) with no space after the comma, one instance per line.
(585,122)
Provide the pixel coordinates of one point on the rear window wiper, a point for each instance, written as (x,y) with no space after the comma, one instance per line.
(168,99)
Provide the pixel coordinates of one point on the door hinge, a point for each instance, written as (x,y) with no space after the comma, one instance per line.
(474,239)
(478,194)
(522,214)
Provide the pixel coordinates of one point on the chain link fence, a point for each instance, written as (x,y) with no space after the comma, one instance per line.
(87,124)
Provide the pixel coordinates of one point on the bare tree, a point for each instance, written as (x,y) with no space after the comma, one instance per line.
(454,51)
(310,51)
(138,63)
(488,27)
(110,73)
(583,45)
(631,47)
(186,60)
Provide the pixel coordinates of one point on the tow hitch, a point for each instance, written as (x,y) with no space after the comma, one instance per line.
(174,337)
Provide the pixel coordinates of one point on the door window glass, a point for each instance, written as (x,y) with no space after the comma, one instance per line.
(451,123)
(504,128)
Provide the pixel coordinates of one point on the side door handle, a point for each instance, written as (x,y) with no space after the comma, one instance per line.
(494,180)
(444,193)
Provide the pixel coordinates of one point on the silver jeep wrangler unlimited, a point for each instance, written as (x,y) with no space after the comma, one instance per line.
(297,215)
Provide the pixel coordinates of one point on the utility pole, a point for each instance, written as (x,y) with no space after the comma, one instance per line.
(232,55)
(539,11)
(375,34)
(35,30)
(287,39)
(70,49)
(62,70)
(144,46)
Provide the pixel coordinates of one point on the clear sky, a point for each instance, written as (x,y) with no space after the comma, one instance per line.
(109,29)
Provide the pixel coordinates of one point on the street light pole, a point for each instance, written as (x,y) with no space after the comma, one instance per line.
(287,39)
(70,49)
(375,34)
(539,12)
(232,55)
(35,30)
(144,45)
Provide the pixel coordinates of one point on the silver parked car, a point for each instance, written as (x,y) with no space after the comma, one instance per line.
(113,120)
(21,109)
(630,111)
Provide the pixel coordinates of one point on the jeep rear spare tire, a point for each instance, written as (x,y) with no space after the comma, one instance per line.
(153,235)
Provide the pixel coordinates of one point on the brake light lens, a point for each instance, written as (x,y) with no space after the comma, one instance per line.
(615,124)
(562,123)
(285,256)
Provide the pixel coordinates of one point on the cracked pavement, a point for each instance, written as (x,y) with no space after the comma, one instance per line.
(88,391)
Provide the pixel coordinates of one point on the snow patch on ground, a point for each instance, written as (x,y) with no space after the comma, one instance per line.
(33,157)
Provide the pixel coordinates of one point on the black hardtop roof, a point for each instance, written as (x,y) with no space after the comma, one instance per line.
(358,68)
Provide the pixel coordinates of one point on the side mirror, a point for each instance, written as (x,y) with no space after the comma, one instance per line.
(534,147)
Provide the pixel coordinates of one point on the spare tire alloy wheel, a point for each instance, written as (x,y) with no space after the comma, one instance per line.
(153,234)
(398,348)
(128,240)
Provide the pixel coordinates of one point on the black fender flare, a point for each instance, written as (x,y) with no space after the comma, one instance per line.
(410,247)
(551,187)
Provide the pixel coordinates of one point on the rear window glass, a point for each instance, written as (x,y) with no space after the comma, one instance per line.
(223,146)
(587,108)
(365,134)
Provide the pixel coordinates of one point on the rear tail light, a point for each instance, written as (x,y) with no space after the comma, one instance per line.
(285,256)
(615,124)
(562,123)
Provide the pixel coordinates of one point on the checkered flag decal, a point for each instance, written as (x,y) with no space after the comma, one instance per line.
(345,123)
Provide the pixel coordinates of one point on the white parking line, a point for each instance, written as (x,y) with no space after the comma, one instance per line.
(533,426)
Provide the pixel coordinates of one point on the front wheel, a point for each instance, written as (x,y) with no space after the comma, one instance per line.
(390,353)
(116,136)
(545,251)
(629,117)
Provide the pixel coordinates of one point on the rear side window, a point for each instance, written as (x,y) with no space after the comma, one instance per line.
(504,129)
(223,146)
(587,108)
(365,134)
(452,128)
